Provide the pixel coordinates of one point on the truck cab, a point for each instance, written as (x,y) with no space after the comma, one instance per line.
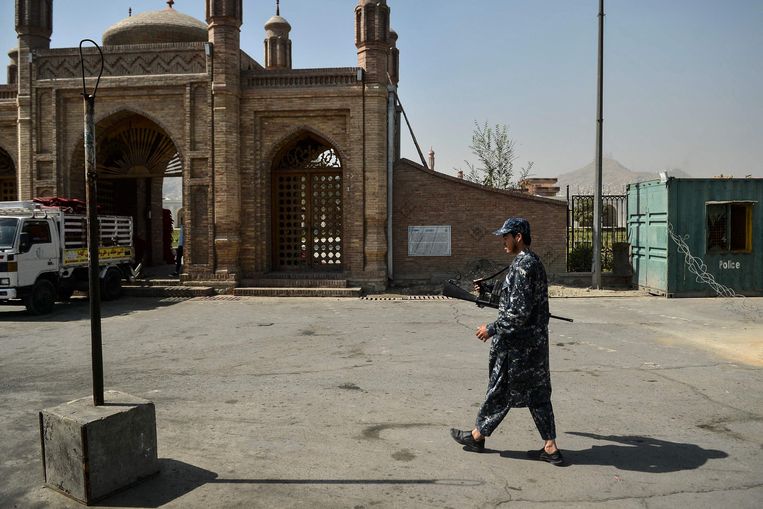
(43,255)
(29,261)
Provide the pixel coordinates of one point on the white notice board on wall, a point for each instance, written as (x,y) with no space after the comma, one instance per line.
(429,240)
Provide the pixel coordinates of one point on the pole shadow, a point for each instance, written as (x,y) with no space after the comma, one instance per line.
(635,453)
(176,479)
(78,308)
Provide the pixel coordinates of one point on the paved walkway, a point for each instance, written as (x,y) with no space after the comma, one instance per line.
(347,403)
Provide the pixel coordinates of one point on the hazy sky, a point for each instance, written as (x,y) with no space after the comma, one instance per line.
(683,78)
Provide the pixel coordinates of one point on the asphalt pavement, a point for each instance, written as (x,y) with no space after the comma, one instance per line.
(347,403)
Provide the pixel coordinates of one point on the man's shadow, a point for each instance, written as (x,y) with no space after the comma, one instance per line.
(636,453)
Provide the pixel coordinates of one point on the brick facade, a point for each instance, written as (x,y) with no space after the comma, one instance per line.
(427,198)
(228,118)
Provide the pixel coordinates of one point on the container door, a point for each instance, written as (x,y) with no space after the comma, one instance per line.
(648,234)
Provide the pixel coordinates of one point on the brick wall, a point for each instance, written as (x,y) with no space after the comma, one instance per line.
(427,198)
(343,117)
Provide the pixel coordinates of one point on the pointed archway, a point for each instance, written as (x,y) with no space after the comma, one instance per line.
(8,182)
(307,215)
(134,156)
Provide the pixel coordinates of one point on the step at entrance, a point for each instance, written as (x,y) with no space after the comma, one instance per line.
(155,289)
(296,292)
(294,283)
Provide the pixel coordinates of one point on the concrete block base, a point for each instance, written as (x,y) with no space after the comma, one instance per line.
(90,452)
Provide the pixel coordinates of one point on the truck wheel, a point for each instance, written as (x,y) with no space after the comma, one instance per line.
(111,285)
(42,299)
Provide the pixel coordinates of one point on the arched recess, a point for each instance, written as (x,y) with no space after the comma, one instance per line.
(8,182)
(307,206)
(133,157)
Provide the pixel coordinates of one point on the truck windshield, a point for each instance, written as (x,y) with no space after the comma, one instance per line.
(8,227)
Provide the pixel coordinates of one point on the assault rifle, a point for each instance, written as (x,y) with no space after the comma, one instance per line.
(484,299)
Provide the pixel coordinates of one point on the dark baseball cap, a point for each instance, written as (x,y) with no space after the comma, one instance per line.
(514,225)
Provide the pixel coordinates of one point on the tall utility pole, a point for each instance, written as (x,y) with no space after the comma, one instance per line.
(596,269)
(93,230)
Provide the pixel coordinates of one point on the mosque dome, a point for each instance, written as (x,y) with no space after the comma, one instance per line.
(277,27)
(156,27)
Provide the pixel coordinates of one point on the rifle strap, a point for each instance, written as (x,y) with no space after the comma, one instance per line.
(491,277)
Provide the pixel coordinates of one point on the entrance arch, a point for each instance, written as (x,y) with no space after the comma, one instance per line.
(8,183)
(307,215)
(134,155)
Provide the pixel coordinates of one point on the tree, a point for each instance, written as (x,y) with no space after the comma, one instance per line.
(494,150)
(584,217)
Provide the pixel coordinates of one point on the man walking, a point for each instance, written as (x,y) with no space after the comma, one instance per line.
(519,365)
(181,242)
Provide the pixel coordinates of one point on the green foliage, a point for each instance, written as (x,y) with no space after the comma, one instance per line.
(495,153)
(584,217)
(580,258)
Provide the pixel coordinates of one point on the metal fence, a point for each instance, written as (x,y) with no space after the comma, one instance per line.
(614,219)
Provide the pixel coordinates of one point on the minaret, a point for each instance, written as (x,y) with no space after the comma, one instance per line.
(224,18)
(393,60)
(277,42)
(372,38)
(13,67)
(34,26)
(34,23)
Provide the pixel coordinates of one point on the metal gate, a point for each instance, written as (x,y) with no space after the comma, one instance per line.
(614,219)
(307,209)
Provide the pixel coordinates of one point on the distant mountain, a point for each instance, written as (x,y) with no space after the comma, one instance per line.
(615,177)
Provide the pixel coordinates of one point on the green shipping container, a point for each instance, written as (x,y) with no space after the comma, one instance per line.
(717,227)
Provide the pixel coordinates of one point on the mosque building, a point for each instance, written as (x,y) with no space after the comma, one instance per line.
(283,170)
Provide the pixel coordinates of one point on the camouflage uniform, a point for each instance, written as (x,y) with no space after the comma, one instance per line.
(519,368)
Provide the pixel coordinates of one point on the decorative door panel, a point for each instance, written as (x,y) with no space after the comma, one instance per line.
(307,209)
(326,219)
(291,221)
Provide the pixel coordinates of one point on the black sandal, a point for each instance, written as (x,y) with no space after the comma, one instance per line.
(466,439)
(555,458)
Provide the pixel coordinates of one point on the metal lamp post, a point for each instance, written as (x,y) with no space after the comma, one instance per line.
(93,231)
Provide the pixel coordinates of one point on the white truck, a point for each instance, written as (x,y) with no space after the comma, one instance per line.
(44,255)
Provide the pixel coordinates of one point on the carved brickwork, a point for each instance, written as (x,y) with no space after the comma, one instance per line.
(8,92)
(61,65)
(297,78)
(199,117)
(44,170)
(199,225)
(199,168)
(44,122)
